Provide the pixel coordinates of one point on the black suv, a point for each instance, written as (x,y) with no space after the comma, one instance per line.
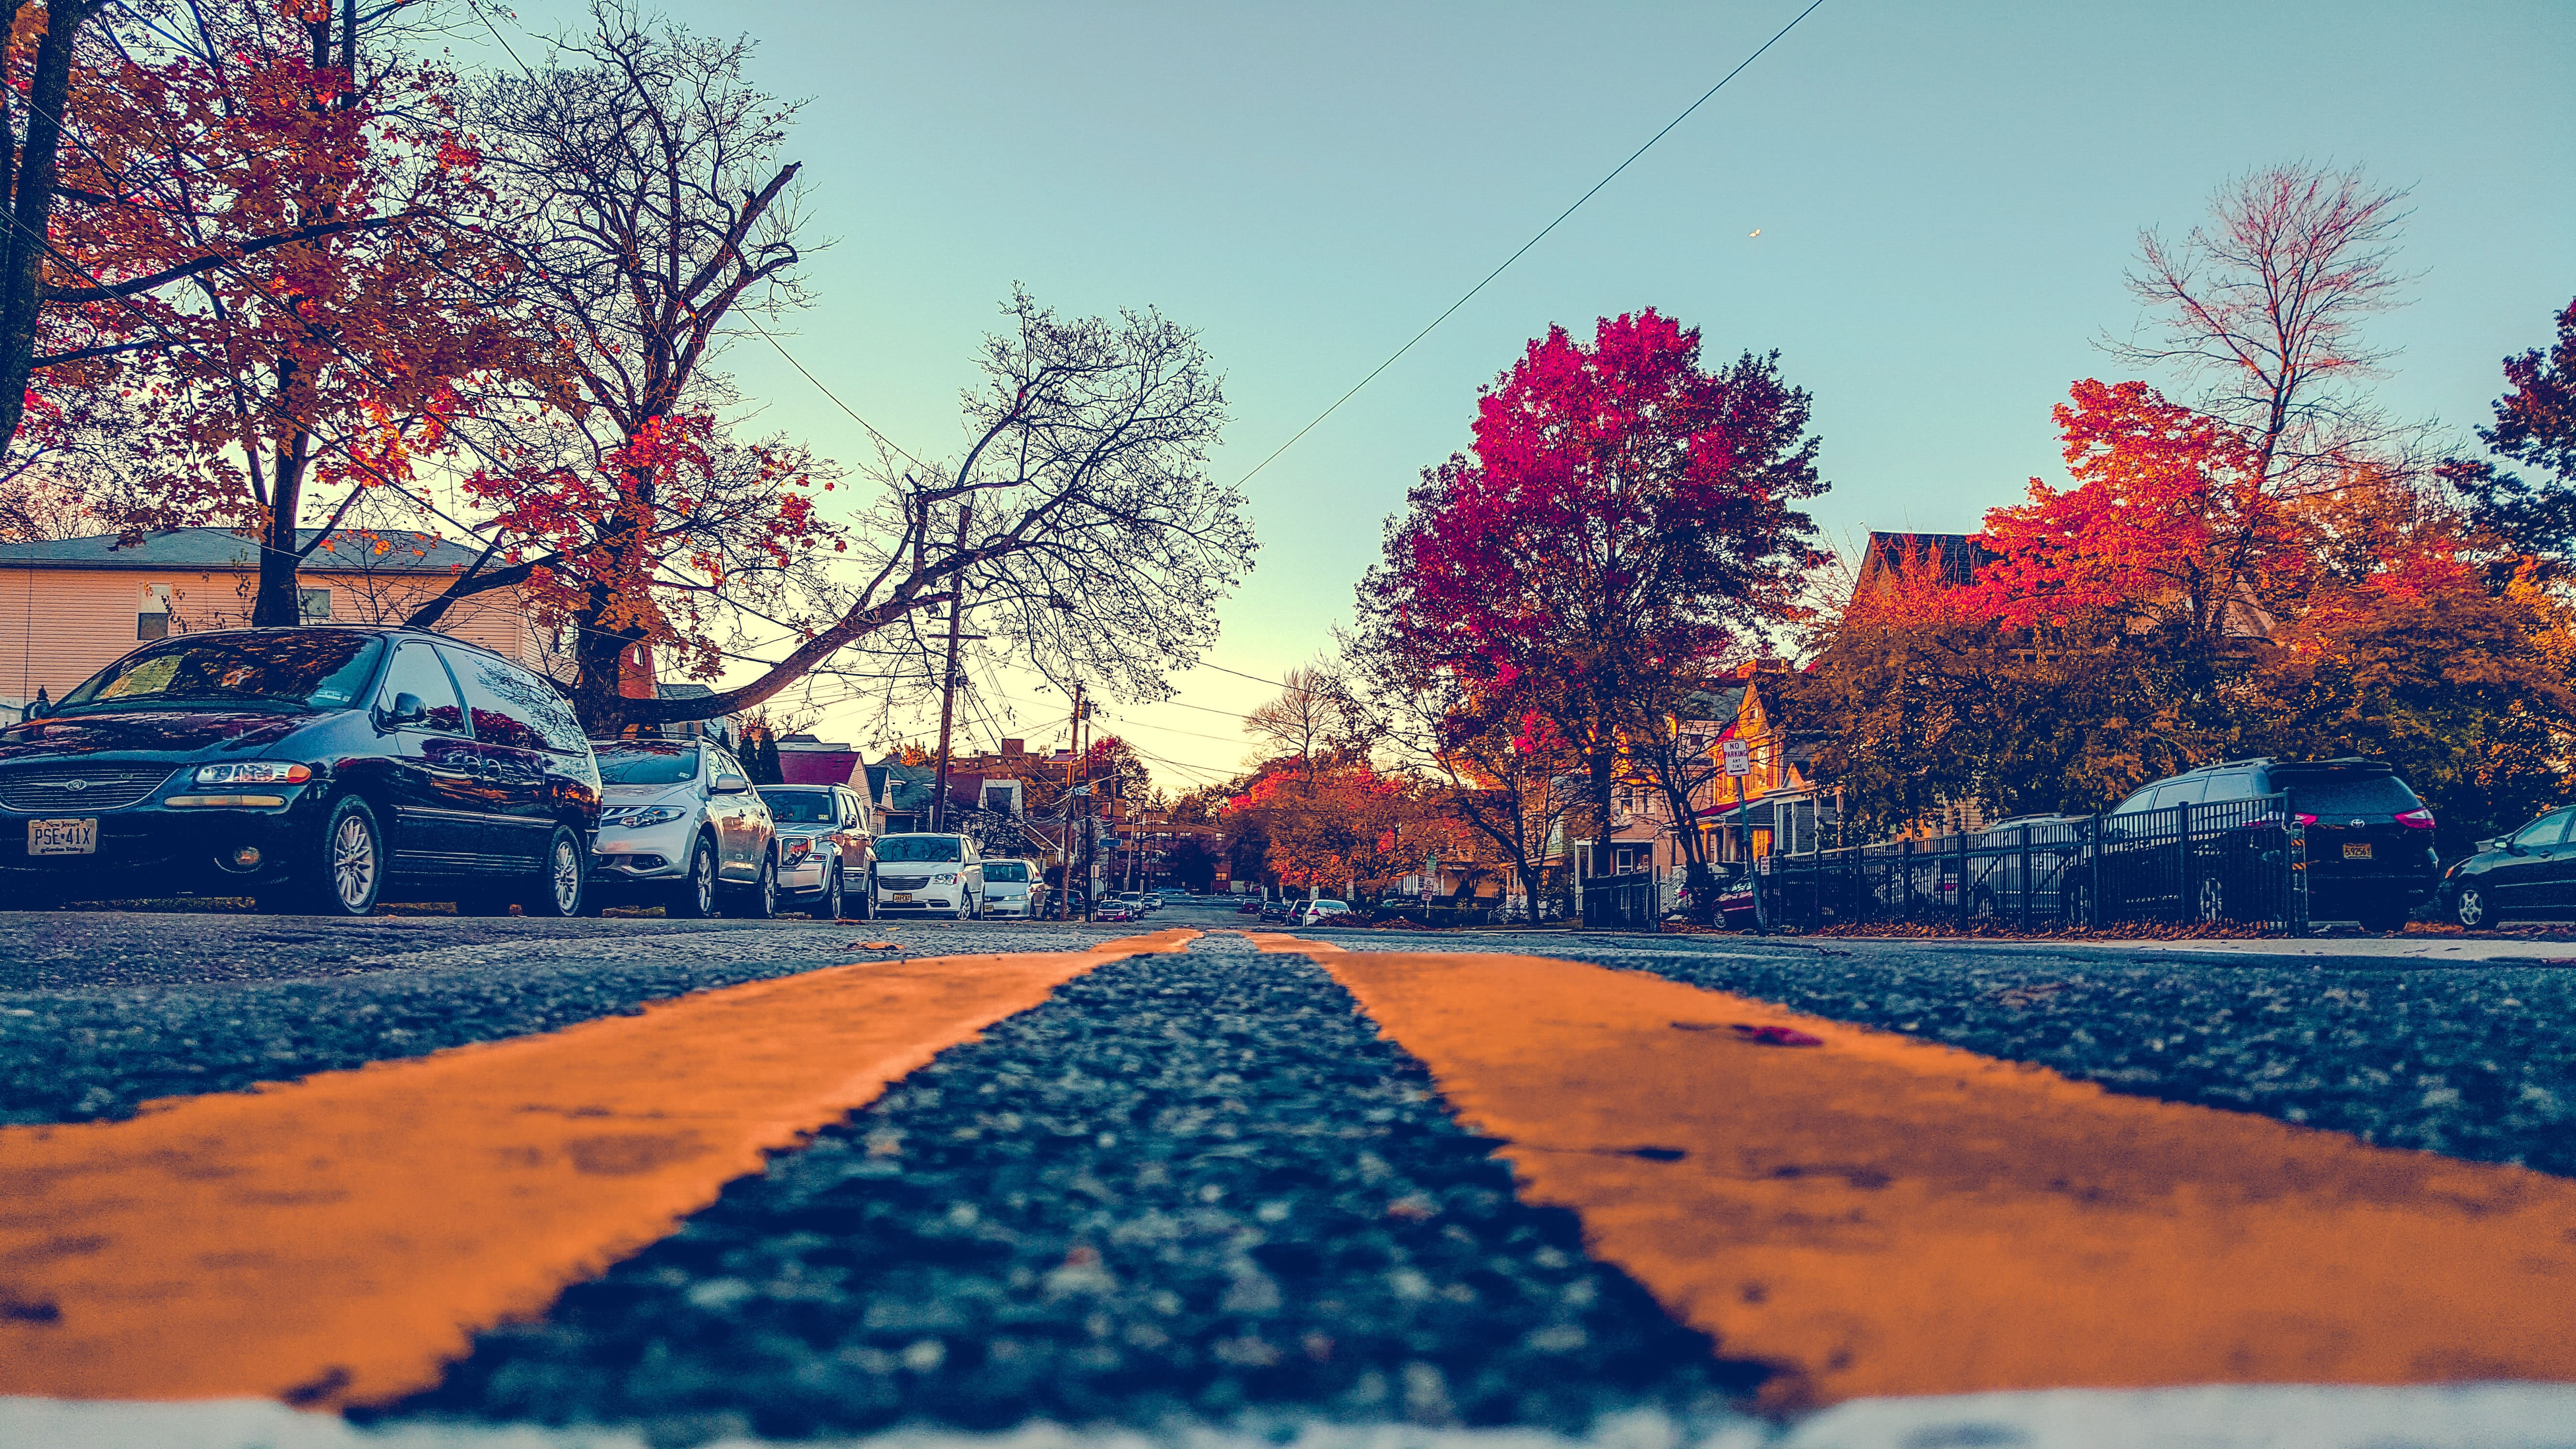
(2370,840)
(307,767)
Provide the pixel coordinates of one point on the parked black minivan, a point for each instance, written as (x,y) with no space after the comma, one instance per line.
(312,768)
(2369,838)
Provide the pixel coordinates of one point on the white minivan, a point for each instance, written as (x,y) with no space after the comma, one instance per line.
(1014,888)
(939,875)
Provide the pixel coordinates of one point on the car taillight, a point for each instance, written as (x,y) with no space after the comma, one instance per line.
(2307,819)
(2416,819)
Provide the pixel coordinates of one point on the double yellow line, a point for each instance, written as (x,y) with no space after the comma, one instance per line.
(1869,1214)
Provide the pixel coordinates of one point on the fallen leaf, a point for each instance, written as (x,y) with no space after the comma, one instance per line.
(1776,1035)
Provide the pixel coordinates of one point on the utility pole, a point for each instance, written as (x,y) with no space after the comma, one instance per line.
(1073,734)
(948,682)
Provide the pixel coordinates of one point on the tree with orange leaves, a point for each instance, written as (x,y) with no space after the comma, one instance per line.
(308,300)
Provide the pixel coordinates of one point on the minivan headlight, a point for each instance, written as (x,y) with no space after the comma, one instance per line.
(944,878)
(636,815)
(254,772)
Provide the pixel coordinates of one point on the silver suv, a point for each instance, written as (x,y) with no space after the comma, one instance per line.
(940,875)
(682,828)
(826,863)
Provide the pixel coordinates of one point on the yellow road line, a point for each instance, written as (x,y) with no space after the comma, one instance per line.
(1882,1216)
(337,1240)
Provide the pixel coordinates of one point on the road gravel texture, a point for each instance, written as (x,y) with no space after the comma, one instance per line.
(2471,1060)
(101,1012)
(1190,1187)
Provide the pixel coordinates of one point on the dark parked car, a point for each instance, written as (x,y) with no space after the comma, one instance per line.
(2369,839)
(318,769)
(2531,872)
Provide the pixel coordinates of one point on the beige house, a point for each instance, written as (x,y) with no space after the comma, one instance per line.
(70,606)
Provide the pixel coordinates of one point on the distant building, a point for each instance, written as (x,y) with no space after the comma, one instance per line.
(805,760)
(69,607)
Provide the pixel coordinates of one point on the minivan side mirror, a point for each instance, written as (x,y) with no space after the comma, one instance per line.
(407,709)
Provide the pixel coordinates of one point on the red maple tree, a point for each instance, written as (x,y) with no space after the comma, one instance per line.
(1626,516)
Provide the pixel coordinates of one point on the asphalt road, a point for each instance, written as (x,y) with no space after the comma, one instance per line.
(1198,1185)
(2472,1059)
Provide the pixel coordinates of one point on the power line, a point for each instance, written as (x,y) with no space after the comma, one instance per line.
(1525,246)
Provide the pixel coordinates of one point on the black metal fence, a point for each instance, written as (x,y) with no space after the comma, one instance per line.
(2241,861)
(1619,903)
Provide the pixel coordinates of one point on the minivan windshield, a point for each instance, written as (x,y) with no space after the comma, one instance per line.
(919,847)
(801,807)
(293,669)
(1008,872)
(630,763)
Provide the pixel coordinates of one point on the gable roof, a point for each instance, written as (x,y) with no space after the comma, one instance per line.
(346,550)
(1957,556)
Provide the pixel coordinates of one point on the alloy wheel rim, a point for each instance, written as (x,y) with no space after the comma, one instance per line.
(768,889)
(567,877)
(703,880)
(2473,907)
(353,862)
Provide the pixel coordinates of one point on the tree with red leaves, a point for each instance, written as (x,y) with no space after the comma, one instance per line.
(1625,517)
(293,290)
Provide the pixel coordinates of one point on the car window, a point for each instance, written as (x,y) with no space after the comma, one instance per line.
(729,774)
(2545,831)
(299,669)
(2234,785)
(801,807)
(2143,800)
(1008,872)
(417,672)
(646,762)
(922,848)
(2181,792)
(502,704)
(2341,796)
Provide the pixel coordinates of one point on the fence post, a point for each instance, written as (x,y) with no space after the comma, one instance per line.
(2186,871)
(1962,856)
(2297,852)
(2093,873)
(2025,880)
(1906,856)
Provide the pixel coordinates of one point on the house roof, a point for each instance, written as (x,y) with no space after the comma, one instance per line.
(1957,556)
(347,550)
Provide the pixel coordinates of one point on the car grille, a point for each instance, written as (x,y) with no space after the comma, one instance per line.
(903,882)
(79,787)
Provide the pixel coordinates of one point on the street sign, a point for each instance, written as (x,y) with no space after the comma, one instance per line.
(1739,758)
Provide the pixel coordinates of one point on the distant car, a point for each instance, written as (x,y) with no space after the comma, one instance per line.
(683,828)
(1135,901)
(2531,871)
(932,874)
(1275,910)
(1316,910)
(1113,909)
(1153,900)
(1014,888)
(1251,906)
(826,863)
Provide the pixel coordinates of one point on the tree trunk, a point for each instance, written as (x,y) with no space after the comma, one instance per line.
(279,604)
(31,206)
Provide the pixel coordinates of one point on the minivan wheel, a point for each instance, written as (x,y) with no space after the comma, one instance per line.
(696,898)
(2469,908)
(559,887)
(346,874)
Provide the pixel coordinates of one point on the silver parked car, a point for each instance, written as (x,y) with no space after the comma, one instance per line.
(932,874)
(826,862)
(1014,888)
(683,829)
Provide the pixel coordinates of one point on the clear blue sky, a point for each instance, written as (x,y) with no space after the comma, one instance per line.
(1947,196)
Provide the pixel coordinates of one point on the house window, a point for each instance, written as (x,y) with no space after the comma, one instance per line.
(152,613)
(313,604)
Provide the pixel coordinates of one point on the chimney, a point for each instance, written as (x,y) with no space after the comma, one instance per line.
(1015,747)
